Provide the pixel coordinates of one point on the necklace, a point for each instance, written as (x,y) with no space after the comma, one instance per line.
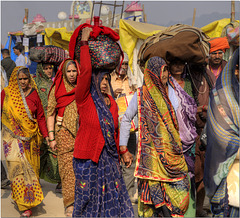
(200,80)
(195,86)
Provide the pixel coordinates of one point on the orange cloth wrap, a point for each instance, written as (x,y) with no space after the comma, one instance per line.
(220,43)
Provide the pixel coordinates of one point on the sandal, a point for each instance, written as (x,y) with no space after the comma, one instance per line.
(26,213)
(69,211)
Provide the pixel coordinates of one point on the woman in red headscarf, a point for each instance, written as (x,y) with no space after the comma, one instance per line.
(62,120)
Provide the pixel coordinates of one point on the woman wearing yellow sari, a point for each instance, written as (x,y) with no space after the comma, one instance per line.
(24,126)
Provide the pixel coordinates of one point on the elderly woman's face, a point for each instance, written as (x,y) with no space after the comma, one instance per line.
(177,68)
(23,80)
(71,74)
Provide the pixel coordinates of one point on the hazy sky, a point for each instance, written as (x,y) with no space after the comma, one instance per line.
(163,13)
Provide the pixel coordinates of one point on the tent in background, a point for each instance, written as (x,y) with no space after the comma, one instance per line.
(131,31)
(215,28)
(132,35)
(224,27)
(59,37)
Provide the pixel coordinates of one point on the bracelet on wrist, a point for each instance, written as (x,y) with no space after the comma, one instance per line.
(123,152)
(203,107)
(83,43)
(51,140)
(51,131)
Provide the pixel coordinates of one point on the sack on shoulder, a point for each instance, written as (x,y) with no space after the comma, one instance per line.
(187,43)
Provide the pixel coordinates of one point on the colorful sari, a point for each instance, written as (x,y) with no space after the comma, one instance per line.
(62,101)
(222,139)
(21,142)
(186,117)
(48,158)
(100,188)
(163,185)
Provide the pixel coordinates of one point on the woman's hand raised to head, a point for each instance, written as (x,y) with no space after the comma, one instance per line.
(86,33)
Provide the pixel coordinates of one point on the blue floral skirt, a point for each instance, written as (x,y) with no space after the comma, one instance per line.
(99,189)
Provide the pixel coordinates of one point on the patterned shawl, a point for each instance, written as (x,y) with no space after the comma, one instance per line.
(160,155)
(104,114)
(222,135)
(16,116)
(43,83)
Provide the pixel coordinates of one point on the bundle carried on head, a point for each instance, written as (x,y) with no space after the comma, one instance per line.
(183,42)
(48,54)
(104,50)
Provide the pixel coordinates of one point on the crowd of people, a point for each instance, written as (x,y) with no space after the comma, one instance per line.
(91,133)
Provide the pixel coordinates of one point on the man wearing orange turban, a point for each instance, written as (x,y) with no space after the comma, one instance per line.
(218,47)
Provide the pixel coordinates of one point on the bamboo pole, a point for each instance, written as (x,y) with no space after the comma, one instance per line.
(144,15)
(26,15)
(194,16)
(232,10)
(114,9)
(232,19)
(26,48)
(73,15)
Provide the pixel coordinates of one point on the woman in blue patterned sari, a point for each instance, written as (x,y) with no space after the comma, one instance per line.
(222,154)
(99,189)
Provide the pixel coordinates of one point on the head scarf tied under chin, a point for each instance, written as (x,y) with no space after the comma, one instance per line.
(64,91)
(104,114)
(220,43)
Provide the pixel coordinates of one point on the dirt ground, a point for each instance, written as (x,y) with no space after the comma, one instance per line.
(52,205)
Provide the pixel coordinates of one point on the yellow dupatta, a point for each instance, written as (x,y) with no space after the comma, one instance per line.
(16,116)
(21,141)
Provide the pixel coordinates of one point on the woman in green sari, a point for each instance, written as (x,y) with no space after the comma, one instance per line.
(48,159)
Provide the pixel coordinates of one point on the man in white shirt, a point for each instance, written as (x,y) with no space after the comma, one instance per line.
(20,61)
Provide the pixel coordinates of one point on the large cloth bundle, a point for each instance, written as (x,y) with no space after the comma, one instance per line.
(184,42)
(47,54)
(104,50)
